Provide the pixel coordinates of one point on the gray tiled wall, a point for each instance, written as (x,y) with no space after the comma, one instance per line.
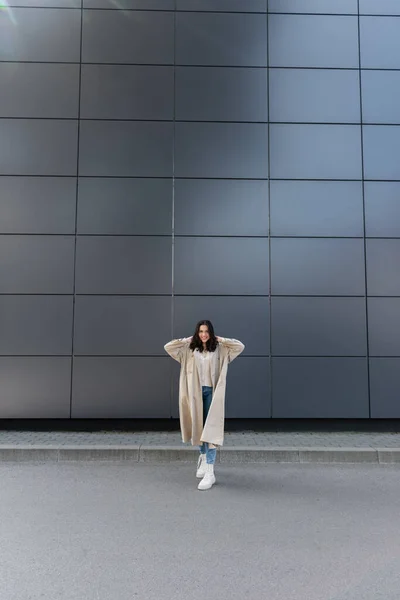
(163,161)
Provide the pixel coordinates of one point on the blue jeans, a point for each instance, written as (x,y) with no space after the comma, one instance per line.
(210,453)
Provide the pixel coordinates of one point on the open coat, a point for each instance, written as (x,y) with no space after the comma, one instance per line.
(190,392)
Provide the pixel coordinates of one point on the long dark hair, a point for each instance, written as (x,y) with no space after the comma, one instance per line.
(197,344)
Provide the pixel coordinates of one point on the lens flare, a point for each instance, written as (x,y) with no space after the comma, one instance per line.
(5,9)
(117,4)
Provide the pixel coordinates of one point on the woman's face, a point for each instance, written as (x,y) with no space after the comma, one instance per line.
(203,333)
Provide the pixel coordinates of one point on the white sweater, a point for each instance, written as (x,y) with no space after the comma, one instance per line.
(203,364)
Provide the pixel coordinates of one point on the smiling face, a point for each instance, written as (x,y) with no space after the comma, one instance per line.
(204,334)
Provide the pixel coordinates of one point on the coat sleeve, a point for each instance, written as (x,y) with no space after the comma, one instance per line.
(234,347)
(175,348)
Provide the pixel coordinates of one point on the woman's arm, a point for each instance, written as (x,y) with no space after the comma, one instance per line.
(234,347)
(175,347)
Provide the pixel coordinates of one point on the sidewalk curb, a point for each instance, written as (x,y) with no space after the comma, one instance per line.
(227,455)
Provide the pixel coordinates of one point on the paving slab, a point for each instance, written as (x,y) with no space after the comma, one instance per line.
(166,446)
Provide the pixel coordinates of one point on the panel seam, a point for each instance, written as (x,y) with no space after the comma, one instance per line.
(171,395)
(363,204)
(76,214)
(271,395)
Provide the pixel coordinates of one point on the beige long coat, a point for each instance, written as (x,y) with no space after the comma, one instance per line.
(190,392)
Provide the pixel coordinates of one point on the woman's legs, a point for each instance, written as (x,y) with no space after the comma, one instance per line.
(208,452)
(211,454)
(209,449)
(204,449)
(208,466)
(207,399)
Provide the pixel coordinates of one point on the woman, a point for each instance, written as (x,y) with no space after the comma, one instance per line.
(204,360)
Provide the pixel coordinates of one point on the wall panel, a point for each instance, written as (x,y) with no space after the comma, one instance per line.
(166,161)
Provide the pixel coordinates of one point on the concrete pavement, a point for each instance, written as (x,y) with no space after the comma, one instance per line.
(242,447)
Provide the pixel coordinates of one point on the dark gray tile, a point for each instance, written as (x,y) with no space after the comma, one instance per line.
(316,208)
(314,96)
(249,379)
(46,3)
(36,264)
(221,266)
(383,273)
(126,149)
(34,388)
(142,37)
(223,5)
(381,152)
(39,90)
(37,205)
(319,327)
(121,387)
(222,150)
(313,6)
(119,325)
(379,7)
(238,207)
(380,43)
(384,326)
(315,151)
(384,376)
(38,147)
(130,4)
(224,39)
(125,206)
(245,319)
(40,35)
(248,389)
(127,92)
(312,41)
(381,96)
(382,208)
(320,388)
(221,94)
(333,267)
(123,265)
(34,325)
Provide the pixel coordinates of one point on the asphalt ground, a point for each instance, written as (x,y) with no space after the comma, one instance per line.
(126,530)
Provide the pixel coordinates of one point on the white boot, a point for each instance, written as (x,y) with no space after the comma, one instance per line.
(201,466)
(208,480)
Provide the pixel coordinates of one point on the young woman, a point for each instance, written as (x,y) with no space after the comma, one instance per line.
(204,360)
